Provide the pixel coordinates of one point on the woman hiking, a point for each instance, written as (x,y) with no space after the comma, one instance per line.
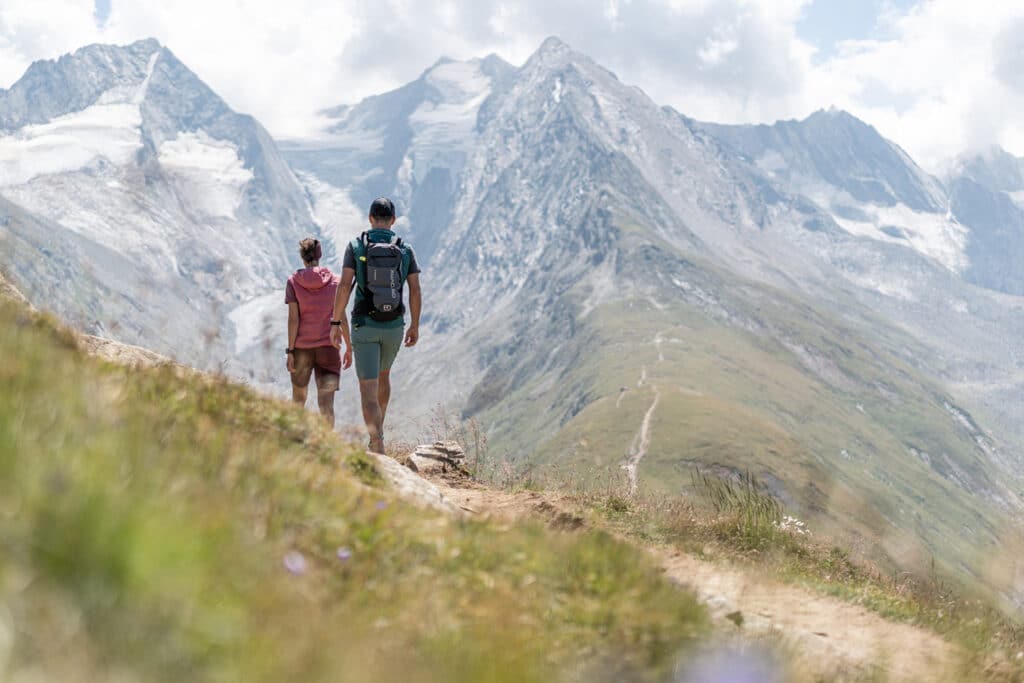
(310,293)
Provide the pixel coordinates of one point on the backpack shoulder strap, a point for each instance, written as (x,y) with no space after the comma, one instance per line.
(359,253)
(406,259)
(359,246)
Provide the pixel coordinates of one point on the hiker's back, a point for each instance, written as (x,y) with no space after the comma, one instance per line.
(314,290)
(383,263)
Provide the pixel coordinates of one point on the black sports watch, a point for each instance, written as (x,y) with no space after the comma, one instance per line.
(287,351)
(335,322)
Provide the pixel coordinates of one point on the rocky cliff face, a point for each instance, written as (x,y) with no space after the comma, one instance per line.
(987,193)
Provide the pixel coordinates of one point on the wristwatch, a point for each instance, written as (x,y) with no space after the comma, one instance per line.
(287,351)
(335,322)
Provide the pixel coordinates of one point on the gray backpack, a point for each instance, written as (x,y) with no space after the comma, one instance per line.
(381,269)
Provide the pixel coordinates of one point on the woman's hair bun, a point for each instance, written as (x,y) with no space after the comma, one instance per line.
(310,250)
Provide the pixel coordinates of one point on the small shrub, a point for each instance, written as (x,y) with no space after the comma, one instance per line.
(617,504)
(743,507)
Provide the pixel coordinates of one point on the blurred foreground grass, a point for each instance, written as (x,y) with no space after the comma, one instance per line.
(161,525)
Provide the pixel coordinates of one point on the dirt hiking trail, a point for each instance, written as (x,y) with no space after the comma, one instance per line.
(827,639)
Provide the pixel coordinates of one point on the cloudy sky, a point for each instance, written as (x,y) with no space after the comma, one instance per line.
(939,77)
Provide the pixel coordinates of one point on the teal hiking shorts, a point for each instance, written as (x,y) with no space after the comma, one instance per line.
(374,349)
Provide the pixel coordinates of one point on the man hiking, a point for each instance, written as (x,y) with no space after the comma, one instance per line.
(379,265)
(310,295)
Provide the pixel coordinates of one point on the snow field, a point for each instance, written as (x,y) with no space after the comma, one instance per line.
(207,172)
(71,142)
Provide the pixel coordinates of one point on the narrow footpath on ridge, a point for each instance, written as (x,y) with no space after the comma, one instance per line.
(641,442)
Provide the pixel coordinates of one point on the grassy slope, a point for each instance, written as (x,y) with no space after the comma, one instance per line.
(145,517)
(827,420)
(743,529)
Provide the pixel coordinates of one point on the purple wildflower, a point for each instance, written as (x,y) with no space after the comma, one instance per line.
(295,563)
(381,504)
(344,554)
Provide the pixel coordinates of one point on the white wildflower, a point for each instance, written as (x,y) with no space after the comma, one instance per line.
(792,525)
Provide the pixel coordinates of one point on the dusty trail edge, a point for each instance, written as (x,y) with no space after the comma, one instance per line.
(831,639)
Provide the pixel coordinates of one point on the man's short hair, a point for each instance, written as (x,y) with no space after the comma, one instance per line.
(383,208)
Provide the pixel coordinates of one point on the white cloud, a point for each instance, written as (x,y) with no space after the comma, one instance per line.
(283,61)
(947,69)
(938,79)
(41,29)
(277,61)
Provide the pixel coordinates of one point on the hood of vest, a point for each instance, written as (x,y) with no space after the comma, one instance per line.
(312,279)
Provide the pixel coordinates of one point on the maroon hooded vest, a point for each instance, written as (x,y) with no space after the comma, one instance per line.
(314,289)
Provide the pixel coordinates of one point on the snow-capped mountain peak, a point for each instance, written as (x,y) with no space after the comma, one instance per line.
(411,143)
(54,88)
(126,149)
(866,184)
(553,48)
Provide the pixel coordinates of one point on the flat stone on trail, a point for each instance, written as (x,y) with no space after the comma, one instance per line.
(448,453)
(441,450)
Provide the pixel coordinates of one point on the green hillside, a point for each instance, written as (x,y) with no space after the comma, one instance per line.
(830,414)
(160,525)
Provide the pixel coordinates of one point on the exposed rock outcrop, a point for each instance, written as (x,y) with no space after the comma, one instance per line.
(122,354)
(9,291)
(412,488)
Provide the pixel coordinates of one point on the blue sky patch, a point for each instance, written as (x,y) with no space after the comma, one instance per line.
(826,23)
(101,12)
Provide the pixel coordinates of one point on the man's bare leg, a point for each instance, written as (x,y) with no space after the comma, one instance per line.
(368,389)
(299,394)
(383,394)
